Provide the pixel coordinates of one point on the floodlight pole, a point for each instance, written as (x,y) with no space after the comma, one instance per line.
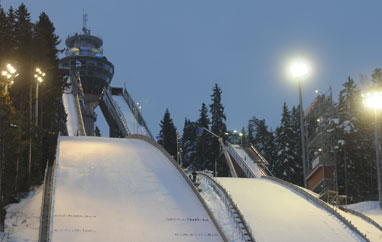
(302,134)
(377,152)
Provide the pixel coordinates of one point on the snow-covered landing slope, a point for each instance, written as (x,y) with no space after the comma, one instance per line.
(276,213)
(124,190)
(74,122)
(132,123)
(248,161)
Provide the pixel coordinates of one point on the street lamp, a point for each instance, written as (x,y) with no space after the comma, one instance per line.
(373,100)
(39,76)
(241,136)
(299,70)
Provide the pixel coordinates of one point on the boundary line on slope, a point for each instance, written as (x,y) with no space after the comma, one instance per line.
(362,215)
(173,162)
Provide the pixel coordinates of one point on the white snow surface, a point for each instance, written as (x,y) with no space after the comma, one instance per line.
(276,213)
(250,163)
(132,123)
(22,221)
(123,190)
(72,122)
(370,209)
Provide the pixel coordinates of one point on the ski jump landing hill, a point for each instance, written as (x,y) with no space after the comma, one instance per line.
(111,189)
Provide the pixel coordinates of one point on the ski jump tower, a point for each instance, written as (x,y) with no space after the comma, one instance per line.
(89,71)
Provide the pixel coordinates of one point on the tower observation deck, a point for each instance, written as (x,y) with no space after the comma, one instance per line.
(89,70)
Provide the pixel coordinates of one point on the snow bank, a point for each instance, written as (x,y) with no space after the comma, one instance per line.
(276,213)
(123,190)
(22,221)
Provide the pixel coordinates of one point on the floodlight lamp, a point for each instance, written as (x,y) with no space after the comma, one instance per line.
(373,100)
(4,73)
(240,134)
(299,69)
(39,79)
(234,131)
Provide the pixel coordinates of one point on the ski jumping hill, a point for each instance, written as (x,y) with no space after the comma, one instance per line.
(107,189)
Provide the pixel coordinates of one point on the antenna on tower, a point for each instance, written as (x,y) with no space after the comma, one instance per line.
(84,21)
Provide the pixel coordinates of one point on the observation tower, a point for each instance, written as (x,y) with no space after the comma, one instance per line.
(89,71)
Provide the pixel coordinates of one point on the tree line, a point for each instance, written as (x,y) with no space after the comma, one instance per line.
(348,128)
(27,139)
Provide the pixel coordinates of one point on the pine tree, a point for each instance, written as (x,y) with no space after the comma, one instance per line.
(285,163)
(297,176)
(167,134)
(203,156)
(354,142)
(219,128)
(188,142)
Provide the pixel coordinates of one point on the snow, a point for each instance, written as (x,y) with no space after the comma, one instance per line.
(22,220)
(132,123)
(220,211)
(123,190)
(276,213)
(247,160)
(72,122)
(370,209)
(371,231)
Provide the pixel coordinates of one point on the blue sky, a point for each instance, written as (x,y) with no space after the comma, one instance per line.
(171,52)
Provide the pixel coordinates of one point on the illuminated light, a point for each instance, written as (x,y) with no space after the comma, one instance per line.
(234,131)
(299,69)
(316,91)
(318,120)
(319,149)
(9,76)
(373,100)
(35,75)
(226,133)
(4,73)
(43,74)
(12,82)
(240,134)
(39,79)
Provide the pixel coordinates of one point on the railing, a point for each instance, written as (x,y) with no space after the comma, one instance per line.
(231,206)
(79,114)
(116,113)
(46,204)
(264,161)
(137,114)
(243,165)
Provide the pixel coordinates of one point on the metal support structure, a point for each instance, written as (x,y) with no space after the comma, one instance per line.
(302,134)
(36,116)
(377,153)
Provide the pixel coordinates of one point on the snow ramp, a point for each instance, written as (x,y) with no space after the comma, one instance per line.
(275,212)
(110,189)
(74,123)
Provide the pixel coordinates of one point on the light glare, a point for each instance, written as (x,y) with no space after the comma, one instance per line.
(373,100)
(299,69)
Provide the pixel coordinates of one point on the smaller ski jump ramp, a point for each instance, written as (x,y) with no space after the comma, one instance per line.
(109,189)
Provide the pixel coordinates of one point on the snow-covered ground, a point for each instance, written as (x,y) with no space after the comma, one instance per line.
(123,190)
(276,213)
(22,221)
(369,208)
(132,123)
(220,211)
(250,163)
(72,122)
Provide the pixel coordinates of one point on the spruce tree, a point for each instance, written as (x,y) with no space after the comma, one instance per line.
(297,176)
(167,134)
(188,142)
(219,128)
(203,156)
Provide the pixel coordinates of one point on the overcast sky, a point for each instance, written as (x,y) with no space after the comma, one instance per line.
(171,52)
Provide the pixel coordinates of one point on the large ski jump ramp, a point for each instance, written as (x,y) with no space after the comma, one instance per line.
(109,189)
(274,212)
